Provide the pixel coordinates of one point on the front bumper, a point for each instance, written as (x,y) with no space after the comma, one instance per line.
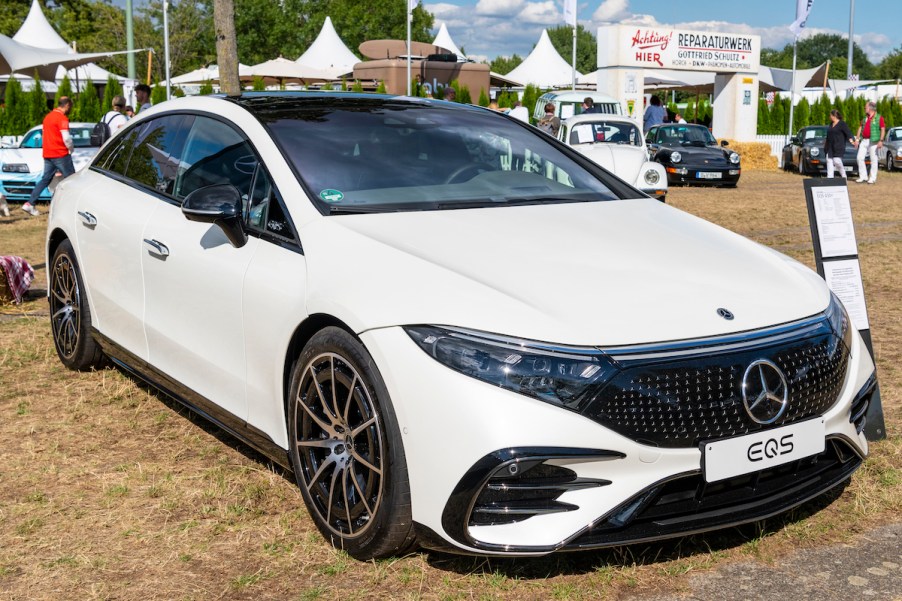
(18,188)
(459,432)
(695,174)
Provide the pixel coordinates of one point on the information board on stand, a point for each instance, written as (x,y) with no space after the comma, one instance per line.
(836,258)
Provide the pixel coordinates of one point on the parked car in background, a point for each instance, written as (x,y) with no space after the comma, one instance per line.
(890,155)
(805,153)
(616,144)
(570,103)
(691,155)
(455,330)
(22,166)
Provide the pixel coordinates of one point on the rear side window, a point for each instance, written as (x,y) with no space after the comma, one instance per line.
(155,159)
(215,154)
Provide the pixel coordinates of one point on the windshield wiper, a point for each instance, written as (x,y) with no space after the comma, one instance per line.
(358,209)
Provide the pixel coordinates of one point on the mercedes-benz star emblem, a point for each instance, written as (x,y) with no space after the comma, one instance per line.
(765,391)
(725,313)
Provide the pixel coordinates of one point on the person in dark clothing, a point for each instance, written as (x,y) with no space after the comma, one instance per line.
(838,133)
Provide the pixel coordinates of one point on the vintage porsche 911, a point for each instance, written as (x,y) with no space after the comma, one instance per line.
(691,155)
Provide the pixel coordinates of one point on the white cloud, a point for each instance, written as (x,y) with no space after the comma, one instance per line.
(499,8)
(611,11)
(541,13)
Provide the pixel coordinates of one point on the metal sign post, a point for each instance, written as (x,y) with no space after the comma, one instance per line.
(836,258)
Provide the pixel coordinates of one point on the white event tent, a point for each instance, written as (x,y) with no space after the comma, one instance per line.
(328,54)
(544,67)
(443,40)
(37,33)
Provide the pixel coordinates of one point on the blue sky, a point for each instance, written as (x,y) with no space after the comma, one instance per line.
(488,28)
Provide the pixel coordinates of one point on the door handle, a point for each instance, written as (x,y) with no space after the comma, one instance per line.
(156,247)
(87,218)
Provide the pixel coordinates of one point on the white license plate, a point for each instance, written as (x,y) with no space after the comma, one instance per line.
(709,175)
(762,450)
(848,169)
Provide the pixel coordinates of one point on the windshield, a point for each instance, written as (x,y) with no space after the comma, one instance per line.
(610,132)
(814,133)
(80,135)
(401,156)
(685,135)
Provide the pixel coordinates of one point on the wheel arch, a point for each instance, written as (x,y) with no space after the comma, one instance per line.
(54,239)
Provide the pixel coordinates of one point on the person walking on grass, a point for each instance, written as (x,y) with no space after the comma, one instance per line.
(838,133)
(57,151)
(870,137)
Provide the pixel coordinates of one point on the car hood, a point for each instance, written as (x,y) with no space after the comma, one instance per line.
(601,273)
(622,160)
(34,158)
(699,154)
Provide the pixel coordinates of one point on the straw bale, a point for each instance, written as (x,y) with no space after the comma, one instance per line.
(756,156)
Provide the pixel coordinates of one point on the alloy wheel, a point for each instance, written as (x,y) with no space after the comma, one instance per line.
(340,445)
(65,306)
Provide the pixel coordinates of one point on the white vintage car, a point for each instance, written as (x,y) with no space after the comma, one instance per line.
(616,144)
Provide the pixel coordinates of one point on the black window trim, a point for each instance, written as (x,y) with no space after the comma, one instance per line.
(292,245)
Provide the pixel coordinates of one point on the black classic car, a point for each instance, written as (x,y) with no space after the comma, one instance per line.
(691,155)
(805,152)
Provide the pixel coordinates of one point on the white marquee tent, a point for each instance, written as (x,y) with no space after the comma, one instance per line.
(544,67)
(37,32)
(443,40)
(329,54)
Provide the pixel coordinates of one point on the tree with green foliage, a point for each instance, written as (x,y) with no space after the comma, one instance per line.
(819,48)
(37,102)
(64,89)
(87,105)
(112,89)
(531,95)
(802,115)
(507,99)
(891,65)
(357,87)
(380,89)
(778,118)
(483,98)
(16,120)
(503,65)
(586,46)
(158,93)
(763,117)
(206,87)
(258,85)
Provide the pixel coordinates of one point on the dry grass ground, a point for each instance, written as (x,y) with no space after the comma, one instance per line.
(108,491)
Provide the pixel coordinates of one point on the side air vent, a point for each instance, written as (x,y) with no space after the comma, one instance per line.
(861,403)
(524,489)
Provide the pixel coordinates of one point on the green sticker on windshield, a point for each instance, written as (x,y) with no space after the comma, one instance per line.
(330,195)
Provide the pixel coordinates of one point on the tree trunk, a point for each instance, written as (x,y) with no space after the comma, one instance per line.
(226,46)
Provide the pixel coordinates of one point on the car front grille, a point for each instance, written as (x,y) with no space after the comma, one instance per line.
(689,504)
(680,400)
(15,189)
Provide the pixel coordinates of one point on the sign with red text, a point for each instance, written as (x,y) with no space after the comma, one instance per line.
(666,48)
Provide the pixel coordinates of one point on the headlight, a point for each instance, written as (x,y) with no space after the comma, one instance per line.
(15,168)
(839,320)
(652,177)
(899,153)
(734,158)
(815,152)
(675,157)
(563,376)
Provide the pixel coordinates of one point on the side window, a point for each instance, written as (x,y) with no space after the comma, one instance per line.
(650,136)
(155,159)
(214,154)
(265,212)
(115,157)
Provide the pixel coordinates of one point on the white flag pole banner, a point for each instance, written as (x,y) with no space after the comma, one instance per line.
(803,10)
(570,12)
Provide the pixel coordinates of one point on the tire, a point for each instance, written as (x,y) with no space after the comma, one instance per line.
(889,163)
(802,170)
(70,315)
(787,163)
(346,450)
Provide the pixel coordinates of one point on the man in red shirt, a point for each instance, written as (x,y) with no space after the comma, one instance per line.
(870,137)
(57,150)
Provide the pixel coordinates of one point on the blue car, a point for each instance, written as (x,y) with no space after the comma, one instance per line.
(22,166)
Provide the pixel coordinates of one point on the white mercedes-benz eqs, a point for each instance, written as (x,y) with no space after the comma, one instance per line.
(457,332)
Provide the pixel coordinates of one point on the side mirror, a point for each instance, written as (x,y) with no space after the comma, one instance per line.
(794,140)
(219,204)
(724,143)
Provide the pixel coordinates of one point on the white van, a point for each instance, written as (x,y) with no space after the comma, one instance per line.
(570,103)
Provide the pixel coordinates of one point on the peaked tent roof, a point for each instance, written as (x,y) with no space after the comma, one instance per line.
(443,40)
(36,31)
(544,67)
(328,53)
